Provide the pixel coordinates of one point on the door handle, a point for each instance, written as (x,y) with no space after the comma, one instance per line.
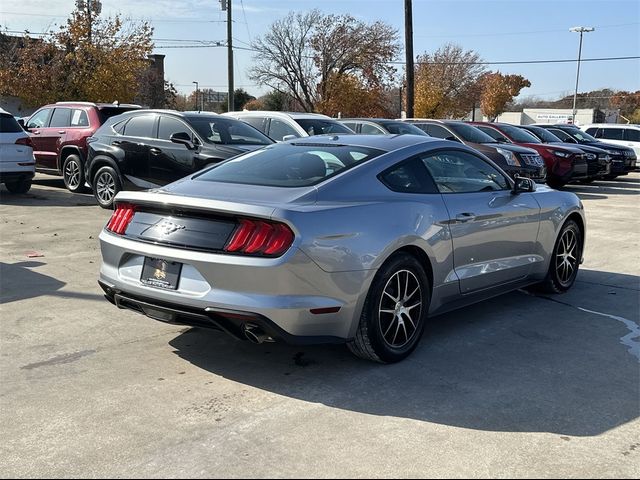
(116,143)
(61,132)
(465,217)
(36,132)
(155,151)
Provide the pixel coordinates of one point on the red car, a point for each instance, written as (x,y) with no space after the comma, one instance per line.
(59,134)
(564,163)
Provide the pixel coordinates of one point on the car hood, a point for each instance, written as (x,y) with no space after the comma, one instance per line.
(584,147)
(510,147)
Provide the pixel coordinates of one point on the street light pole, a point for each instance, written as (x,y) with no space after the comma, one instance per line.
(580,30)
(197,95)
(226,5)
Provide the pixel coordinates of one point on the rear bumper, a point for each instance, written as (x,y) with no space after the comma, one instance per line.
(8,177)
(277,294)
(231,322)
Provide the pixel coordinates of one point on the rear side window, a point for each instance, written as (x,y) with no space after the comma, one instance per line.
(632,135)
(321,126)
(496,135)
(290,165)
(408,177)
(612,133)
(79,118)
(255,122)
(61,118)
(8,124)
(141,126)
(593,131)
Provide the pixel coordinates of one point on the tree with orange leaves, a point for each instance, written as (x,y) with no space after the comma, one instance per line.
(498,90)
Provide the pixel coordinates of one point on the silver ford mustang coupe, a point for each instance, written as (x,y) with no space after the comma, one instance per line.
(338,239)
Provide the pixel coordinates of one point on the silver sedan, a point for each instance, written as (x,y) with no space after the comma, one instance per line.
(343,239)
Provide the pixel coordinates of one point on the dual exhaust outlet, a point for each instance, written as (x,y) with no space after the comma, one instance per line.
(255,334)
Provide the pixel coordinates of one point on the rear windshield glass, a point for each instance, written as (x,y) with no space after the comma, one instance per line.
(226,131)
(321,127)
(399,128)
(107,112)
(470,133)
(8,124)
(290,165)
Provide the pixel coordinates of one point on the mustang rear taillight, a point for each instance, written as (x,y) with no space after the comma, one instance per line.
(260,238)
(121,218)
(26,141)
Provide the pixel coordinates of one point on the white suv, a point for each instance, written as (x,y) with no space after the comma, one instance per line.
(282,126)
(620,134)
(17,164)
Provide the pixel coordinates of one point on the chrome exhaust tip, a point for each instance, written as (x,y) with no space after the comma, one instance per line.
(255,334)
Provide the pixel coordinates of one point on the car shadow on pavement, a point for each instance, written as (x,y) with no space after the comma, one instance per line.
(56,196)
(19,281)
(517,363)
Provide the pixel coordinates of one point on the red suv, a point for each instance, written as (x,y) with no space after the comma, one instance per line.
(59,134)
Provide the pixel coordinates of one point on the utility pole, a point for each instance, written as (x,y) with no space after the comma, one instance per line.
(197,104)
(408,48)
(579,30)
(226,5)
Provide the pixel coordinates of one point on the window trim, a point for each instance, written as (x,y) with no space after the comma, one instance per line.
(510,183)
(381,130)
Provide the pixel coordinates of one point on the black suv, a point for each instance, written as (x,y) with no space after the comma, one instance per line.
(150,148)
(381,126)
(623,159)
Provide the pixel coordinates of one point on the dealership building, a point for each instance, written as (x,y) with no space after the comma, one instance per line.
(584,116)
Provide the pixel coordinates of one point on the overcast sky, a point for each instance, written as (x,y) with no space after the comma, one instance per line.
(500,30)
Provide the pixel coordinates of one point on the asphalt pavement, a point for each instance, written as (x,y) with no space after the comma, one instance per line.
(518,386)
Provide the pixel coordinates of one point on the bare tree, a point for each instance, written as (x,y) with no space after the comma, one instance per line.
(285,59)
(304,53)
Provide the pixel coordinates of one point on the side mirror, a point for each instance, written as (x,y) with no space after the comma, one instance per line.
(21,122)
(502,140)
(523,184)
(286,138)
(183,138)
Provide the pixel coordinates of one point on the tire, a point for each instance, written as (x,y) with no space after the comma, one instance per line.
(586,181)
(384,335)
(610,177)
(561,276)
(73,174)
(19,186)
(555,183)
(106,185)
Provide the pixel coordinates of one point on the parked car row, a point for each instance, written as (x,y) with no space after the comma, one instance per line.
(111,147)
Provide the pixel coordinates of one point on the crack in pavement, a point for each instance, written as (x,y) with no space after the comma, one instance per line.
(627,340)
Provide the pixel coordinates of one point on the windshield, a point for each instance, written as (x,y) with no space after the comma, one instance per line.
(226,131)
(519,135)
(318,126)
(289,164)
(581,136)
(545,135)
(470,133)
(399,128)
(107,112)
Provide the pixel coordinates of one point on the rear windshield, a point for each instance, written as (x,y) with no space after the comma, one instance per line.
(317,126)
(8,124)
(290,165)
(399,128)
(470,133)
(227,131)
(107,112)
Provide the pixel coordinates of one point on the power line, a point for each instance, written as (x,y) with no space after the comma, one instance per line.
(156,20)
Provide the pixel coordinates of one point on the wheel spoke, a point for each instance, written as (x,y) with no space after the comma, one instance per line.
(413,306)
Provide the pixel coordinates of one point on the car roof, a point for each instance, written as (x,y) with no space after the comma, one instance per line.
(2,110)
(380,142)
(374,120)
(612,125)
(264,113)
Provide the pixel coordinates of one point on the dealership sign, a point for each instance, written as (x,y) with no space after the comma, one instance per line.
(556,117)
